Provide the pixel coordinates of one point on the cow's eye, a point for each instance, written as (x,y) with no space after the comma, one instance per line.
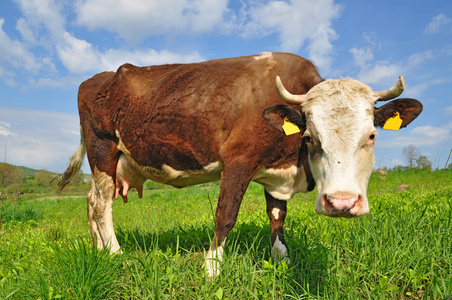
(371,138)
(307,138)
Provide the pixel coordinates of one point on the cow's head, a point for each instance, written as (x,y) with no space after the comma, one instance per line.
(338,123)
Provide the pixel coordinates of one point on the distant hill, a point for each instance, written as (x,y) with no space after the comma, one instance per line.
(31,172)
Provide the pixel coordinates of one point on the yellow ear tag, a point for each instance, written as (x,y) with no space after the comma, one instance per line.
(393,123)
(289,127)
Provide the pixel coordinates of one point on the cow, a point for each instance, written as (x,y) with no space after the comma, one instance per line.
(227,119)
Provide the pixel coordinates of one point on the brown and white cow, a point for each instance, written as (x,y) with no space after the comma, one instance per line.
(185,124)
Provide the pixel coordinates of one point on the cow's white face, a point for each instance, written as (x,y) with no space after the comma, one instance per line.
(337,123)
(340,136)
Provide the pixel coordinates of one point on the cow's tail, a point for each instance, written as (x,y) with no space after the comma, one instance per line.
(75,164)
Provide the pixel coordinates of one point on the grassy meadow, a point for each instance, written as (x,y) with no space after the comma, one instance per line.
(402,250)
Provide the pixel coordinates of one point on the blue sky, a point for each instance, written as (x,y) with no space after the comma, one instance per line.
(48,47)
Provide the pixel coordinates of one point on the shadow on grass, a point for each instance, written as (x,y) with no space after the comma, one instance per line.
(309,258)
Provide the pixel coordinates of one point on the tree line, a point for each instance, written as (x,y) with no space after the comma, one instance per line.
(414,159)
(15,180)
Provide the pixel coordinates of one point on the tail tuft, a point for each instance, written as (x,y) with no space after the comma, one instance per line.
(74,165)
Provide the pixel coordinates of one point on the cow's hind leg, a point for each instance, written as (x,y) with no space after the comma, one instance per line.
(100,212)
(93,197)
(234,182)
(276,210)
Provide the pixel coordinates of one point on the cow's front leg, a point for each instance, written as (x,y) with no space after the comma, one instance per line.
(234,182)
(100,212)
(276,210)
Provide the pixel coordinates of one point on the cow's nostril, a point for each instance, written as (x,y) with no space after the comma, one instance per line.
(340,202)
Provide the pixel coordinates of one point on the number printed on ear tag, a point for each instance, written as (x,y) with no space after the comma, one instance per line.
(393,123)
(289,127)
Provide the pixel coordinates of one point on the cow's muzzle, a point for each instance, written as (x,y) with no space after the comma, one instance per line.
(342,205)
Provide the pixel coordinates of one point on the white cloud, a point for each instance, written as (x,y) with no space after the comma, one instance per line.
(112,59)
(297,22)
(39,139)
(362,55)
(432,135)
(42,28)
(59,82)
(448,110)
(438,23)
(42,23)
(14,55)
(363,58)
(379,72)
(420,57)
(79,56)
(139,19)
(374,72)
(422,136)
(4,128)
(25,30)
(417,90)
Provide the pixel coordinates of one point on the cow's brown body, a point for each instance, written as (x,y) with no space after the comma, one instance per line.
(188,116)
(192,123)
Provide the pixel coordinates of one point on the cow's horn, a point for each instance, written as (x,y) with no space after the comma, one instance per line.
(286,96)
(391,93)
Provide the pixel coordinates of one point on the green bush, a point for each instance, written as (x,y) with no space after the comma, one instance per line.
(21,215)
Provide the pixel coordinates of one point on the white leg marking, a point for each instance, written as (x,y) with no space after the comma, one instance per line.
(213,260)
(279,251)
(107,229)
(275,212)
(103,211)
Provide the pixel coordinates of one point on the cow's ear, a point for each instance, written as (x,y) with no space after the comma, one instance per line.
(275,116)
(407,108)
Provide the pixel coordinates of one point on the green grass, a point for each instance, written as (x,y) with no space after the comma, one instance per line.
(402,250)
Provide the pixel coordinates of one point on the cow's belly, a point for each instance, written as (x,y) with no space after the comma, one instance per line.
(134,175)
(128,170)
(282,183)
(176,178)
